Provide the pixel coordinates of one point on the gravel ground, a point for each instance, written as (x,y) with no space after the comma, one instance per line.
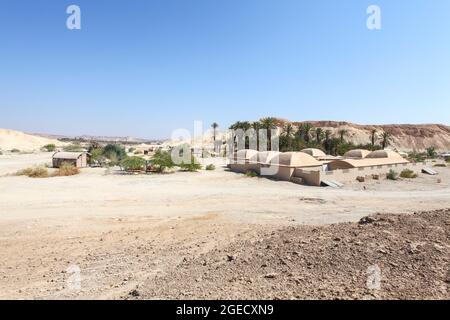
(409,253)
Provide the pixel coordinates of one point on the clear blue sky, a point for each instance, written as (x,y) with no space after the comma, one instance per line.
(146,67)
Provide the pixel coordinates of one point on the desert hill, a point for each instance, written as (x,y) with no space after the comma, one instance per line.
(12,139)
(405,137)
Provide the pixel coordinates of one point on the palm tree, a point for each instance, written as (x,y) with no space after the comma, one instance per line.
(288,133)
(214,126)
(327,142)
(386,138)
(319,134)
(342,133)
(373,136)
(268,123)
(256,125)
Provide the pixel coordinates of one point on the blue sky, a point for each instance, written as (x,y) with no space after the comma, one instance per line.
(146,67)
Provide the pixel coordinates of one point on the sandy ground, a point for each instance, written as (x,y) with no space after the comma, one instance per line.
(122,231)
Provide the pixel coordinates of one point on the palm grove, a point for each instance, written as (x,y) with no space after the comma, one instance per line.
(307,136)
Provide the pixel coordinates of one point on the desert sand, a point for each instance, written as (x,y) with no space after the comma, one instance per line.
(12,139)
(125,231)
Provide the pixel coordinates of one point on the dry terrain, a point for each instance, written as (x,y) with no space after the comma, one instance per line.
(134,235)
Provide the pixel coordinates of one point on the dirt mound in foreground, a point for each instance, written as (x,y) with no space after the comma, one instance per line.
(327,262)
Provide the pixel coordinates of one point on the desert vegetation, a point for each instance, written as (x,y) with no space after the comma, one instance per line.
(36,172)
(42,172)
(408,174)
(49,147)
(191,166)
(392,175)
(306,136)
(210,167)
(133,164)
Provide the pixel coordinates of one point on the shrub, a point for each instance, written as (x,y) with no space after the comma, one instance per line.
(192,166)
(37,172)
(74,147)
(162,160)
(1,153)
(392,175)
(115,153)
(408,174)
(66,169)
(131,150)
(251,174)
(133,163)
(49,147)
(210,167)
(440,165)
(431,152)
(448,160)
(15,150)
(138,152)
(416,157)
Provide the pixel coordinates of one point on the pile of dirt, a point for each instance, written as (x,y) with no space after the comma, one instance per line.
(383,256)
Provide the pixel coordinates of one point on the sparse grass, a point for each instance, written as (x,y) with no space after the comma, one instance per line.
(251,174)
(408,174)
(75,147)
(66,170)
(37,172)
(210,167)
(392,175)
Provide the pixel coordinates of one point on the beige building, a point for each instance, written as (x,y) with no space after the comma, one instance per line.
(302,167)
(77,159)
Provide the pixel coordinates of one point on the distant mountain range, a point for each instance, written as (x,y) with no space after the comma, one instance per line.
(96,138)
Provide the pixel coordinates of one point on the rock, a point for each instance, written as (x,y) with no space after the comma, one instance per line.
(367,220)
(270,275)
(230,258)
(360,179)
(134,293)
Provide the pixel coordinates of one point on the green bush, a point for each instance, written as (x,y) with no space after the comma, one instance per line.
(37,172)
(15,150)
(448,160)
(417,157)
(408,174)
(131,150)
(210,167)
(133,163)
(251,174)
(192,166)
(115,153)
(162,160)
(49,147)
(392,175)
(431,152)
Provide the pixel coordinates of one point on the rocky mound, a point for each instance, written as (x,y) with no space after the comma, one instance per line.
(382,257)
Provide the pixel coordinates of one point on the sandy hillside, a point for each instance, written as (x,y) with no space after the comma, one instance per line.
(11,139)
